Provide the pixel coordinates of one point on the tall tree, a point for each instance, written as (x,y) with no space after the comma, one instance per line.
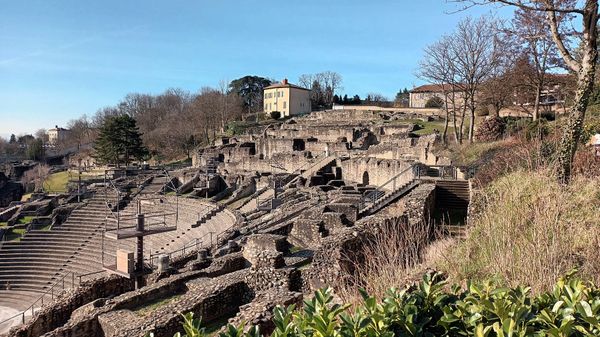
(250,89)
(534,37)
(475,48)
(324,86)
(119,141)
(583,64)
(438,67)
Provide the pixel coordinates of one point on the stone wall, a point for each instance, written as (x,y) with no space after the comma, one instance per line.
(58,312)
(376,171)
(340,253)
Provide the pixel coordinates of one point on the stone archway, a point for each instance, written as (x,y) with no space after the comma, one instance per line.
(365,178)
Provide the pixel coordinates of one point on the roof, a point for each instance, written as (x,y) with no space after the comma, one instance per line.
(286,85)
(433,88)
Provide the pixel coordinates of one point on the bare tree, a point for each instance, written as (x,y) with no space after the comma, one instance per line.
(323,85)
(36,176)
(475,48)
(535,39)
(438,67)
(584,64)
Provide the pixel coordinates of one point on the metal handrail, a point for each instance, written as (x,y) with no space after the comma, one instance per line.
(40,299)
(192,243)
(378,192)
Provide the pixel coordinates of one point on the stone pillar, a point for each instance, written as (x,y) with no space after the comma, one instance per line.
(163,263)
(202,255)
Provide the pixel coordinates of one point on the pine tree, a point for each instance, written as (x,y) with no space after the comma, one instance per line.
(119,141)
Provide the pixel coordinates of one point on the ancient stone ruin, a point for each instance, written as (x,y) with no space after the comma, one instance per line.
(260,220)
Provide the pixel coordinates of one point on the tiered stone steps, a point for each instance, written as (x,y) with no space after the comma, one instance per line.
(452,194)
(32,266)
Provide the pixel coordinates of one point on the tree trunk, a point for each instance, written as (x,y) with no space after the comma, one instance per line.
(456,138)
(536,107)
(574,126)
(586,73)
(472,122)
(445,134)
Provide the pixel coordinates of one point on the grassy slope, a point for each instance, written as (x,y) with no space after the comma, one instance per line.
(530,230)
(57,182)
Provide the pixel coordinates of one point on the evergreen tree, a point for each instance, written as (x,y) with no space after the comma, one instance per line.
(119,141)
(356,100)
(13,139)
(346,100)
(35,150)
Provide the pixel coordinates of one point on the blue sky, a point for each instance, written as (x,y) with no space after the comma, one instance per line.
(62,59)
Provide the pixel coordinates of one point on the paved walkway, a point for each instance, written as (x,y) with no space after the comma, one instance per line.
(6,312)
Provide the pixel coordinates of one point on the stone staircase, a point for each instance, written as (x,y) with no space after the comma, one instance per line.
(31,266)
(381,199)
(207,216)
(313,169)
(383,195)
(452,194)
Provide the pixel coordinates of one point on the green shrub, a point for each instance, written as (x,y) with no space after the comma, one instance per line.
(236,128)
(275,114)
(548,115)
(537,129)
(572,308)
(434,102)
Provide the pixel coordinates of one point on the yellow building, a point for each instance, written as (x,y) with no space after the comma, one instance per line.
(289,99)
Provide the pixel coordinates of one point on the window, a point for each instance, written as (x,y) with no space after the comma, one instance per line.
(266,106)
(285,105)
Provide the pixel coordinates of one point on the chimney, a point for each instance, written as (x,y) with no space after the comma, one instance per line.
(285,81)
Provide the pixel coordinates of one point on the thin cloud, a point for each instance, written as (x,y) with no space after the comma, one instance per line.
(67,46)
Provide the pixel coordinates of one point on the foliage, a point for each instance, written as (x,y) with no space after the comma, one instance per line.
(35,150)
(434,102)
(529,229)
(537,129)
(236,128)
(590,127)
(572,308)
(275,114)
(119,141)
(548,115)
(250,89)
(491,129)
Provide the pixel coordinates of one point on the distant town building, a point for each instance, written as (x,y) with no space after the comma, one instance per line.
(419,96)
(57,135)
(287,98)
(553,93)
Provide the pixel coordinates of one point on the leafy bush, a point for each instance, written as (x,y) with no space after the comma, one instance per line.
(537,129)
(434,102)
(548,115)
(275,114)
(591,126)
(492,129)
(236,128)
(572,308)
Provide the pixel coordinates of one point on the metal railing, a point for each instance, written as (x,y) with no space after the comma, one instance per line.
(206,241)
(39,303)
(439,171)
(398,181)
